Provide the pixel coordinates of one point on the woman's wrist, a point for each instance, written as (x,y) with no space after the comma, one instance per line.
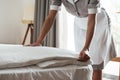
(86,48)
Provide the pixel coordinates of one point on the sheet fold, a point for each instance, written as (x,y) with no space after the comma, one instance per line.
(45,57)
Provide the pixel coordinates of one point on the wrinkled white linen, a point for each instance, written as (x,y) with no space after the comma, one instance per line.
(61,63)
(71,72)
(19,56)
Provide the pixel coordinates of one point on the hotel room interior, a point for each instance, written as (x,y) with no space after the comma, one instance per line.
(20,24)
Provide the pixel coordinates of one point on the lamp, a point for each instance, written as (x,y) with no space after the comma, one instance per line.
(28,18)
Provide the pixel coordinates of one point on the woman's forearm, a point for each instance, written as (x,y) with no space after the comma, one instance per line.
(47,25)
(90,30)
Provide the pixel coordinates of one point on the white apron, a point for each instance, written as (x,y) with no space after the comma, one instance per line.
(102,43)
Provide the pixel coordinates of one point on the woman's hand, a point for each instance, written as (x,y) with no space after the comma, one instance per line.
(34,44)
(83,56)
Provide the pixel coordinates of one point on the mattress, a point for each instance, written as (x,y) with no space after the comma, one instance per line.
(19,62)
(71,72)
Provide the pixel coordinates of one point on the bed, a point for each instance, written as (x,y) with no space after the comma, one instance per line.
(19,62)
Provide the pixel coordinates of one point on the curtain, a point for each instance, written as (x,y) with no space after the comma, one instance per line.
(41,12)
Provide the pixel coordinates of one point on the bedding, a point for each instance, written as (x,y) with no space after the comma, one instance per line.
(71,72)
(48,62)
(19,56)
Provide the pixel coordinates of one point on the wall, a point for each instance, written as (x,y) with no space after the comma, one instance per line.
(11,27)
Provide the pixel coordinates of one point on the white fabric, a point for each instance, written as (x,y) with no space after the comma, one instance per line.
(71,72)
(54,7)
(80,20)
(19,56)
(59,63)
(92,11)
(72,1)
(102,40)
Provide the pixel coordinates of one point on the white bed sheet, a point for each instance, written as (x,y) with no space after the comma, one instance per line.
(59,73)
(45,57)
(15,54)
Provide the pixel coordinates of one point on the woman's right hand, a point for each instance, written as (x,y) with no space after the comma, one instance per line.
(34,44)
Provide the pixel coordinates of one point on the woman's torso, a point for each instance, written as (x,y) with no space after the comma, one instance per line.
(77,8)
